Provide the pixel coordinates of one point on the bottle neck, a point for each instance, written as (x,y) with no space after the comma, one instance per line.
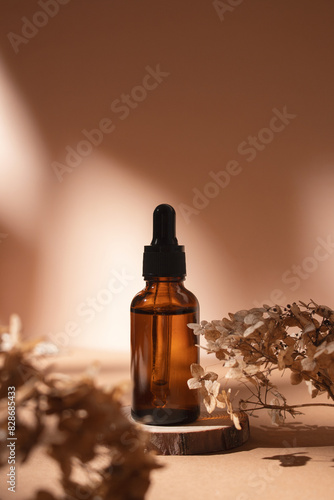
(163,279)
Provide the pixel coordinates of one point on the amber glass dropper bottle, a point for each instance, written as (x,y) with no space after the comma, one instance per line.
(162,345)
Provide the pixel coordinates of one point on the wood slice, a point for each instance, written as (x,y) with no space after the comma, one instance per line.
(209,434)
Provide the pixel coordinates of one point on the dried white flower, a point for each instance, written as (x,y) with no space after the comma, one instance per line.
(252,343)
(324,349)
(251,329)
(239,368)
(212,388)
(310,327)
(252,318)
(313,391)
(234,373)
(198,328)
(15,327)
(308,364)
(6,342)
(45,348)
(200,376)
(276,415)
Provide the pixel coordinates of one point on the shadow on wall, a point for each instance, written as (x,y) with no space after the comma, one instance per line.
(222,114)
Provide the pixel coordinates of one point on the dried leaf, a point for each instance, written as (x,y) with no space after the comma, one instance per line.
(236,421)
(295,378)
(209,402)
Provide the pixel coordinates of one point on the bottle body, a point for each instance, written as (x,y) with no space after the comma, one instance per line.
(162,350)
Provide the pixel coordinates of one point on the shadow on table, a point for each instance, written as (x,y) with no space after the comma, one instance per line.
(296,435)
(290,459)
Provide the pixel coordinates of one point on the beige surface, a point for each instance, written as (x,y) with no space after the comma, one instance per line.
(292,463)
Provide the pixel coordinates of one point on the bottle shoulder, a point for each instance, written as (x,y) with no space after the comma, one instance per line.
(171,298)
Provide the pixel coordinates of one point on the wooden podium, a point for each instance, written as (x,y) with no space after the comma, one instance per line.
(209,434)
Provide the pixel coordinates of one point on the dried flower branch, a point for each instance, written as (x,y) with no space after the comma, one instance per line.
(253,343)
(101,454)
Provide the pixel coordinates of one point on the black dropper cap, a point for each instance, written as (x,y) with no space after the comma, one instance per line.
(164,257)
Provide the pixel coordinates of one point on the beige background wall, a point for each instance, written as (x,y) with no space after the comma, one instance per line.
(226,66)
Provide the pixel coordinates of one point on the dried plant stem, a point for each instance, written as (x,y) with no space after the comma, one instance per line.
(285,407)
